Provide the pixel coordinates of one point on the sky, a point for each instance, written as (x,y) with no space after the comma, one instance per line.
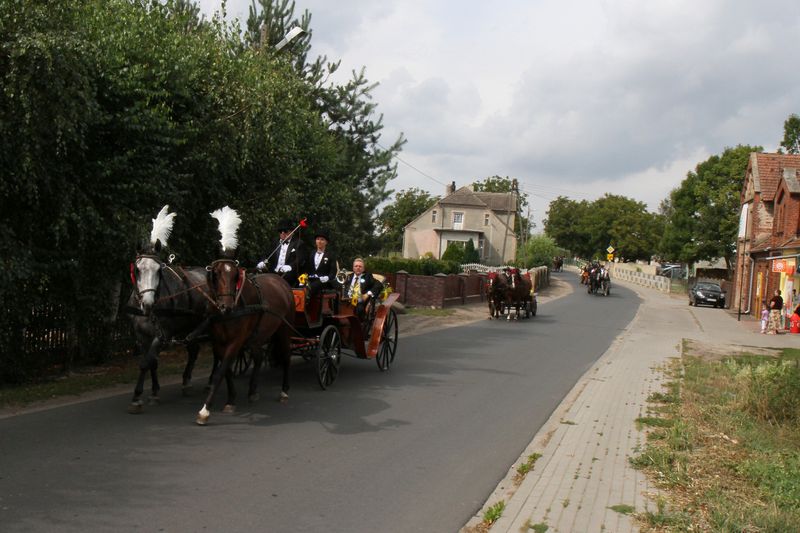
(574,98)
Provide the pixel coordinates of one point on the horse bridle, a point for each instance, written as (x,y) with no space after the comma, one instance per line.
(240,278)
(155,258)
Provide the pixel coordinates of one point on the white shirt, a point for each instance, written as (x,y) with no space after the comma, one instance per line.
(282,255)
(318,259)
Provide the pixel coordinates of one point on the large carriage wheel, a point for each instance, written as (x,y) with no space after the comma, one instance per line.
(329,356)
(388,345)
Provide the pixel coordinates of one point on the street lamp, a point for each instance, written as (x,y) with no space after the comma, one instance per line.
(289,37)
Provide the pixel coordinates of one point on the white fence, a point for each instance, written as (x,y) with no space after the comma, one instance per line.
(623,272)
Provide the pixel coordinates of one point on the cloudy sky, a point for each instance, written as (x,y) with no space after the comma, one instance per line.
(572,97)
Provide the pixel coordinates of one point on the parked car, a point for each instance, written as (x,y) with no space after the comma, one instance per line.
(706,292)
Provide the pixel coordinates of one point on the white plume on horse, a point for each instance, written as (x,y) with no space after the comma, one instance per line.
(162,226)
(229,221)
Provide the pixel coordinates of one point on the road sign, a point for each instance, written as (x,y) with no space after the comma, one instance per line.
(610,249)
(610,257)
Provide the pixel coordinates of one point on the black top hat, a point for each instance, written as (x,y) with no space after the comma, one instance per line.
(285,225)
(322,233)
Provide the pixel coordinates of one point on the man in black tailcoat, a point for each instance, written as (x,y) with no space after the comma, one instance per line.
(288,254)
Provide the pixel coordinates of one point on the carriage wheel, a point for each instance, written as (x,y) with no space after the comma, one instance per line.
(388,345)
(242,363)
(329,356)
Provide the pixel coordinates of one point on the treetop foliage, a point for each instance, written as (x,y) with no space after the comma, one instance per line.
(109,110)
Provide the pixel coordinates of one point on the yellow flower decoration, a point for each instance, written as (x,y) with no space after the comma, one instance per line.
(303,279)
(387,290)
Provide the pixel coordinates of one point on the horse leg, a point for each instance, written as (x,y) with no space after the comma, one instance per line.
(155,385)
(192,350)
(282,343)
(216,379)
(145,361)
(230,404)
(257,353)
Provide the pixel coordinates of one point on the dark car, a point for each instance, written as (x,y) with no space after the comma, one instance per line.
(708,293)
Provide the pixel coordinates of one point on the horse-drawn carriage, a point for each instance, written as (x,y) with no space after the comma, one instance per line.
(510,289)
(598,279)
(243,313)
(327,326)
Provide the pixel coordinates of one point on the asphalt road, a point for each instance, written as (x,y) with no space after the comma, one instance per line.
(416,449)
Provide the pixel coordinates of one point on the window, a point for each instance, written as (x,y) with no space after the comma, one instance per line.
(486,219)
(433,216)
(458,220)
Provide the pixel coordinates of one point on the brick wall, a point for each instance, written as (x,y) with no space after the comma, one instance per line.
(440,290)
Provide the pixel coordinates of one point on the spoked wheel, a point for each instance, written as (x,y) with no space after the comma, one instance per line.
(388,345)
(242,363)
(329,356)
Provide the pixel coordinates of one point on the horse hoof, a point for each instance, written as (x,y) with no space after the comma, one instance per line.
(153,400)
(201,420)
(229,409)
(136,408)
(283,398)
(254,397)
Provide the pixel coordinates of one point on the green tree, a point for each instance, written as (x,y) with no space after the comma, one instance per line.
(471,255)
(791,134)
(564,224)
(538,251)
(704,209)
(588,228)
(408,205)
(454,252)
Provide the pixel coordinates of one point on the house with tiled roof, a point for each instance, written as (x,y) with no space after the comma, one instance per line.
(487,218)
(768,244)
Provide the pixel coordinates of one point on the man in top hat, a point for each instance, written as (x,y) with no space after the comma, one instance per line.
(321,265)
(288,254)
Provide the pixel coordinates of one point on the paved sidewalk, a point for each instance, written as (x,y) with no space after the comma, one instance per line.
(586,443)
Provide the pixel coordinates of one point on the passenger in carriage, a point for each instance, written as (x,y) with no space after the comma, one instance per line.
(321,266)
(362,287)
(288,254)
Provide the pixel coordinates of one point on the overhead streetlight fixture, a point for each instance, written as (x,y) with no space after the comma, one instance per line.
(289,37)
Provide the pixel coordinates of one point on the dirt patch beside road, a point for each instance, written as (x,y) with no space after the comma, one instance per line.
(717,352)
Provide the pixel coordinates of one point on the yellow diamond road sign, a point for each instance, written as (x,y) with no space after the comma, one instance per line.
(610,249)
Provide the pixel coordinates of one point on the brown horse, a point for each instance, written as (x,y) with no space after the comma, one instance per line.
(496,284)
(518,293)
(254,311)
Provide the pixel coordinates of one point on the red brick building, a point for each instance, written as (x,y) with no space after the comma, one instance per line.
(768,244)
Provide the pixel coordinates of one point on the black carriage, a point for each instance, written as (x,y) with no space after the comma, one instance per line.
(327,328)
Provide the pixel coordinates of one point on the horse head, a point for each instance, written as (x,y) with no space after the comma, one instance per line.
(146,276)
(146,270)
(225,281)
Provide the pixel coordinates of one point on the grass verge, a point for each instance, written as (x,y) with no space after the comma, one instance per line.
(120,371)
(727,456)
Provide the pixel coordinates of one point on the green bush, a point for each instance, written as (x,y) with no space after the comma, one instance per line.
(423,267)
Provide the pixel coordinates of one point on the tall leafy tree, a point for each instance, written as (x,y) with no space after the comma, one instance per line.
(791,134)
(407,205)
(703,216)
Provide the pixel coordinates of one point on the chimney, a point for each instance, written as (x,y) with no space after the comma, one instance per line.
(450,189)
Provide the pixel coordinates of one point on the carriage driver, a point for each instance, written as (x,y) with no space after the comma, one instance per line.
(361,286)
(287,254)
(321,266)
